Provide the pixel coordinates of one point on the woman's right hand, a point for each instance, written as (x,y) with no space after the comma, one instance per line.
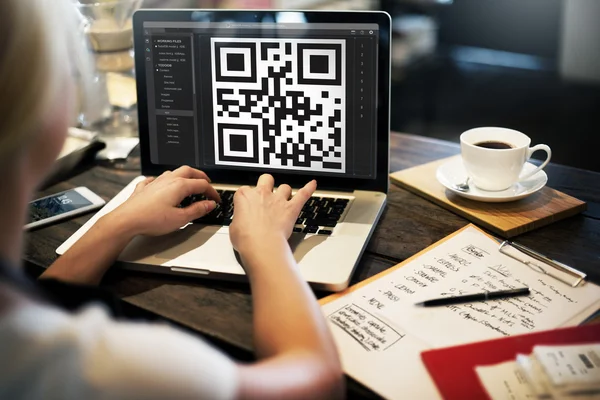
(263,216)
(298,358)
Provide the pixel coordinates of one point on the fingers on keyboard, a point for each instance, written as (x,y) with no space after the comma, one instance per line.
(319,214)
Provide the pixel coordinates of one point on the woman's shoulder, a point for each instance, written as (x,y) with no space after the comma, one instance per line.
(24,320)
(91,351)
(35,340)
(10,299)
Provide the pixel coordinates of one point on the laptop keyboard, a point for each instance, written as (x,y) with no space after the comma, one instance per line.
(319,215)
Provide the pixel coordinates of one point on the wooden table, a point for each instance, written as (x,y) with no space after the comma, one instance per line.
(222,312)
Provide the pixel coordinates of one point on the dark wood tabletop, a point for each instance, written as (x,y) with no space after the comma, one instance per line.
(222,312)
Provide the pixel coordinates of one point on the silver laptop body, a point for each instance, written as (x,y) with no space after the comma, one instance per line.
(299,95)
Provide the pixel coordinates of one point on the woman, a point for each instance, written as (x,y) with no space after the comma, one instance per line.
(49,353)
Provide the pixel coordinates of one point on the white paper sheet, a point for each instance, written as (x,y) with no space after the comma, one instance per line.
(471,263)
(505,381)
(467,263)
(378,353)
(573,365)
(533,373)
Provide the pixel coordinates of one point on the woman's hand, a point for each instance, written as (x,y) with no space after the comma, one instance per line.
(260,214)
(153,208)
(297,355)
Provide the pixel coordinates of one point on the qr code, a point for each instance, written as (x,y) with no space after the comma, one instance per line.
(280,103)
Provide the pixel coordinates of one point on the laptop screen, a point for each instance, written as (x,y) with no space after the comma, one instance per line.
(279,96)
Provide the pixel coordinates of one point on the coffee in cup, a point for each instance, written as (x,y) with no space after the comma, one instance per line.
(494,157)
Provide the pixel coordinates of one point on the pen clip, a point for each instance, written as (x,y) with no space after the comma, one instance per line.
(553,268)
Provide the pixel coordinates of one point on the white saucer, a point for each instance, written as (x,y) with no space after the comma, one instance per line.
(453,172)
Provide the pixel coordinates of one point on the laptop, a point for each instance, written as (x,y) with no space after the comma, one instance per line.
(298,94)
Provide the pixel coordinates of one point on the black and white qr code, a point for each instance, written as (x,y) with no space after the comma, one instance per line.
(280,103)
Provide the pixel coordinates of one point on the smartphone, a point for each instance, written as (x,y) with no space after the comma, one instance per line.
(61,206)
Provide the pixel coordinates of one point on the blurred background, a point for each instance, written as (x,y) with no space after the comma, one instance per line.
(530,65)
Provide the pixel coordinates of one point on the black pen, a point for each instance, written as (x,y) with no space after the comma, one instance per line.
(475,297)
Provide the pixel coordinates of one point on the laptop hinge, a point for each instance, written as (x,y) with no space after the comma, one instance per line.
(340,190)
(334,189)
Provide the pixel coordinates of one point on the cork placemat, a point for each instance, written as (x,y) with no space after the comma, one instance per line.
(506,219)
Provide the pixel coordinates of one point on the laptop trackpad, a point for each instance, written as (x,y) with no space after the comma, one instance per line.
(171,246)
(185,247)
(301,245)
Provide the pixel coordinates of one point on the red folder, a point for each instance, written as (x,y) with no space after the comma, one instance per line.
(453,368)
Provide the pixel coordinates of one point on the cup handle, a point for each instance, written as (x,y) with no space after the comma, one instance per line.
(530,151)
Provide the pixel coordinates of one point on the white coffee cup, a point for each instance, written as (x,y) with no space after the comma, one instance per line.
(494,157)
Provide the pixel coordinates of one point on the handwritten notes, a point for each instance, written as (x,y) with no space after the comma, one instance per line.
(380,318)
(372,333)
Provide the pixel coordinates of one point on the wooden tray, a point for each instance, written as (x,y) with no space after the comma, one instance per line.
(506,219)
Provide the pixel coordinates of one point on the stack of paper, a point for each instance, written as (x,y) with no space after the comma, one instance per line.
(549,372)
(563,371)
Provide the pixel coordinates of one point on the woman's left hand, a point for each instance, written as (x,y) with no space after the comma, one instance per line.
(153,208)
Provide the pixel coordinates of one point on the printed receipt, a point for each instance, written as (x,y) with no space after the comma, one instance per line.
(575,365)
(380,332)
(565,372)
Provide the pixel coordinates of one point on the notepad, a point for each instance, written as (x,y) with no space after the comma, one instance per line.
(380,333)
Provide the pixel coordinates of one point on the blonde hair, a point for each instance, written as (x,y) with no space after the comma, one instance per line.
(39,48)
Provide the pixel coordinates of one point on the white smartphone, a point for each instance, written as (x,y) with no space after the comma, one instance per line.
(61,206)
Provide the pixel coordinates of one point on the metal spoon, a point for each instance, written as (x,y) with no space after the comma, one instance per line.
(463,186)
